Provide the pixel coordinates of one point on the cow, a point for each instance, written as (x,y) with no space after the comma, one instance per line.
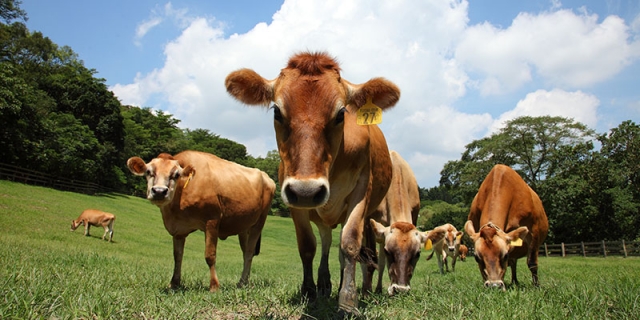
(96,218)
(462,252)
(199,191)
(332,170)
(506,222)
(400,241)
(448,246)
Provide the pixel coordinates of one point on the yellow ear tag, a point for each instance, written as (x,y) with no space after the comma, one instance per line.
(428,245)
(188,179)
(458,238)
(369,114)
(516,243)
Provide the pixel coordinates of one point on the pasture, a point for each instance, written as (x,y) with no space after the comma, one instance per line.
(46,271)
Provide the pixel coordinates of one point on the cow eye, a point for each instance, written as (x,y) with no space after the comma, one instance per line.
(340,116)
(277,115)
(176,175)
(149,173)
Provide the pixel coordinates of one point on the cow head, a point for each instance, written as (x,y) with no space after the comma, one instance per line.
(492,247)
(451,239)
(462,251)
(311,103)
(162,174)
(75,225)
(402,245)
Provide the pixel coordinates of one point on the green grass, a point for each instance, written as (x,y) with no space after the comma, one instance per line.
(46,271)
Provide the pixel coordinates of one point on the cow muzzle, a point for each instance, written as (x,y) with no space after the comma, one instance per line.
(498,284)
(158,193)
(396,288)
(305,194)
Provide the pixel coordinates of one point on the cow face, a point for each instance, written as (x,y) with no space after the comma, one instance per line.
(402,245)
(492,247)
(311,104)
(75,225)
(162,174)
(452,239)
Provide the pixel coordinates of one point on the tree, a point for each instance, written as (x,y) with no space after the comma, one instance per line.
(527,144)
(10,10)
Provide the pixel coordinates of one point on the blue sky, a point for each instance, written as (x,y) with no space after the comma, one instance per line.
(463,67)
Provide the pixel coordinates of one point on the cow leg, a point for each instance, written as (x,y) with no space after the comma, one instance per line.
(178,251)
(210,249)
(368,259)
(350,245)
(307,250)
(86,228)
(445,261)
(514,276)
(106,231)
(324,276)
(453,263)
(532,263)
(382,261)
(440,258)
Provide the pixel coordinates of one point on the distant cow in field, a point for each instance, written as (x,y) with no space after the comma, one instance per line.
(506,222)
(447,247)
(462,252)
(199,191)
(333,170)
(96,218)
(400,241)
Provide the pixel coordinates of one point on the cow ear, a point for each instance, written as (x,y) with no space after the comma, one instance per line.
(188,171)
(382,92)
(379,230)
(515,237)
(249,87)
(137,166)
(468,228)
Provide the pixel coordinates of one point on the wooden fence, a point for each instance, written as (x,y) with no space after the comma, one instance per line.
(32,177)
(592,249)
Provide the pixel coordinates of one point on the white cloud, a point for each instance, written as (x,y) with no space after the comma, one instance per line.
(426,47)
(567,49)
(577,105)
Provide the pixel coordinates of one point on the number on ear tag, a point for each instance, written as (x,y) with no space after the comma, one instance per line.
(369,114)
(516,243)
(428,245)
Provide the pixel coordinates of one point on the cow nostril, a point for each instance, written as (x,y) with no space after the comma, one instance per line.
(291,196)
(320,195)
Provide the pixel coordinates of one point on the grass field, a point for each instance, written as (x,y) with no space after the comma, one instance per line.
(47,272)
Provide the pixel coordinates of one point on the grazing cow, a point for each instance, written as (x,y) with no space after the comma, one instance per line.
(448,246)
(199,191)
(462,252)
(506,212)
(332,170)
(96,218)
(400,241)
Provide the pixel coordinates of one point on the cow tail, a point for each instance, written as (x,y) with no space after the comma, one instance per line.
(431,255)
(257,249)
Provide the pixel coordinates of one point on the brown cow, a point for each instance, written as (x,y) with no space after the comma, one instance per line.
(332,170)
(462,252)
(400,241)
(447,247)
(506,212)
(96,218)
(199,191)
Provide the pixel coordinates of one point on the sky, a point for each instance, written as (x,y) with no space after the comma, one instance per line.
(463,67)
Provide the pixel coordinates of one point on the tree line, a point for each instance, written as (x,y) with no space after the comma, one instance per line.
(57,117)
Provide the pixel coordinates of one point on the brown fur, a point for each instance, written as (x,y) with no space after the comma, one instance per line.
(506,209)
(463,251)
(199,191)
(96,218)
(447,247)
(331,171)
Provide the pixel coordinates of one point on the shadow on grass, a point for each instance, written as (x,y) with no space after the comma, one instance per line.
(325,307)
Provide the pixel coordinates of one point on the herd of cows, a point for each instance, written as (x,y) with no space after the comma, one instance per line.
(334,170)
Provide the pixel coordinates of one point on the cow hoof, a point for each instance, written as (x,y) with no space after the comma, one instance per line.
(309,293)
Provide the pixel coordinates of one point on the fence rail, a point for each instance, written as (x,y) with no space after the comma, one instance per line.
(592,249)
(32,177)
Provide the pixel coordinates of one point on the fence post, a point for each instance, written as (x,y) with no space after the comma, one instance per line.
(546,250)
(604,249)
(562,246)
(624,248)
(584,253)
